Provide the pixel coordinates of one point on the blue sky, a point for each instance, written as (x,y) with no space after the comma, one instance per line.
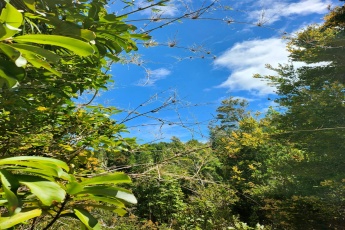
(211,59)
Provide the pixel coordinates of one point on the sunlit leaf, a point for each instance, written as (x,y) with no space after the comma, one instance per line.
(87,219)
(33,159)
(120,211)
(21,61)
(77,46)
(114,178)
(44,53)
(47,191)
(8,222)
(74,188)
(11,19)
(126,197)
(30,4)
(144,37)
(9,182)
(114,192)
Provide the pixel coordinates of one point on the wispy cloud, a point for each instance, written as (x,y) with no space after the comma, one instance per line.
(248,58)
(153,76)
(170,9)
(273,11)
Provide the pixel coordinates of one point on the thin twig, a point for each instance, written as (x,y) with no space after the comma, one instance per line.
(57,216)
(143,8)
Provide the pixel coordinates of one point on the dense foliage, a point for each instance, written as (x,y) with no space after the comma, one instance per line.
(64,162)
(52,150)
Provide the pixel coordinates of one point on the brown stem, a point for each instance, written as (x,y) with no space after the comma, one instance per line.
(57,216)
(33,224)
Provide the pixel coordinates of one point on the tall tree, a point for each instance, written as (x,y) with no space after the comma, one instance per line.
(313,97)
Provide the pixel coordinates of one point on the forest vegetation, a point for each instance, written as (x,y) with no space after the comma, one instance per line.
(65,165)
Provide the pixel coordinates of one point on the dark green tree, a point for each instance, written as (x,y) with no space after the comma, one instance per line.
(313,97)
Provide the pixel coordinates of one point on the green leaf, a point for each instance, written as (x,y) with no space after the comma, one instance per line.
(2,202)
(94,11)
(8,222)
(9,182)
(110,192)
(10,52)
(10,20)
(79,47)
(32,160)
(74,188)
(44,53)
(30,4)
(10,74)
(42,171)
(107,200)
(114,178)
(6,81)
(47,192)
(130,198)
(87,219)
(104,207)
(120,211)
(144,37)
(40,63)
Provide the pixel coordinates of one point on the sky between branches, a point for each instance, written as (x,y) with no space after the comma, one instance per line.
(213,57)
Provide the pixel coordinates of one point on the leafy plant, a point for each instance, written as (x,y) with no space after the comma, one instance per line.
(36,186)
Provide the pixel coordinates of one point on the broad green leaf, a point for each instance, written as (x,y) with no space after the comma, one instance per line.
(33,160)
(87,219)
(110,192)
(39,169)
(94,11)
(10,52)
(44,53)
(74,188)
(9,182)
(10,20)
(105,207)
(6,81)
(106,187)
(71,29)
(77,46)
(120,211)
(130,198)
(88,35)
(109,18)
(8,222)
(11,72)
(2,202)
(114,178)
(21,61)
(12,199)
(40,63)
(141,36)
(47,192)
(30,4)
(42,171)
(107,200)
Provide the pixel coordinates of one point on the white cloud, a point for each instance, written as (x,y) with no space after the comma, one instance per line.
(153,76)
(274,10)
(244,98)
(171,8)
(248,58)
